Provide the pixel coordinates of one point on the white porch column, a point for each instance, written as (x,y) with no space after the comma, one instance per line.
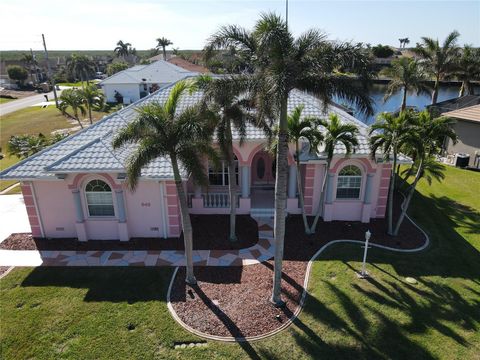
(198,191)
(329,191)
(292,181)
(80,223)
(368,189)
(245,181)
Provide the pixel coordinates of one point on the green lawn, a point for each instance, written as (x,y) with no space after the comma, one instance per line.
(84,313)
(78,83)
(31,120)
(5,100)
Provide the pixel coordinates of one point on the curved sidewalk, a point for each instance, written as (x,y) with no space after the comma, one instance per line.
(263,250)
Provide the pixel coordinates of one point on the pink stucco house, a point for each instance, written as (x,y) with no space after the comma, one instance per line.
(76,188)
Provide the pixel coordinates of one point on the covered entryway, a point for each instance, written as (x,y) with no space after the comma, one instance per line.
(263,181)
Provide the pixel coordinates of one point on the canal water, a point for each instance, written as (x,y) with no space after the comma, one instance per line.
(419,101)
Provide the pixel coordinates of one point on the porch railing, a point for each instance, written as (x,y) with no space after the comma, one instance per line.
(214,200)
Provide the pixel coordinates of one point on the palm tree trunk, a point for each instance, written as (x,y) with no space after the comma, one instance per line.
(300,189)
(320,201)
(280,202)
(409,198)
(463,88)
(391,193)
(404,99)
(164,54)
(186,223)
(232,182)
(90,113)
(75,114)
(435,90)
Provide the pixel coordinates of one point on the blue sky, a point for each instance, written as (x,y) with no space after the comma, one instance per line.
(90,24)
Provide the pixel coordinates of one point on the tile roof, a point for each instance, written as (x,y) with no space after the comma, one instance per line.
(161,72)
(90,150)
(471,113)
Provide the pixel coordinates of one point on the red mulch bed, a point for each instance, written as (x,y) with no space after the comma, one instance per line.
(210,232)
(233,301)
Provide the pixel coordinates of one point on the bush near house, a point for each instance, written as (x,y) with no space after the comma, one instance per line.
(113,68)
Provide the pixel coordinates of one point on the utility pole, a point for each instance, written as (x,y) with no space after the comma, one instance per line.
(50,72)
(286,13)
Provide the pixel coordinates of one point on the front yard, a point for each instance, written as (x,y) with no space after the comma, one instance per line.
(121,312)
(32,120)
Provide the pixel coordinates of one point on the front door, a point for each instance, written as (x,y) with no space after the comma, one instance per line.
(263,169)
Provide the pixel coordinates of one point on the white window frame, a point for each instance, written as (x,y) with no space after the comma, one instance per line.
(350,178)
(223,171)
(88,204)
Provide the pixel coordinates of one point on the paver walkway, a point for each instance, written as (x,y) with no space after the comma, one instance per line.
(261,251)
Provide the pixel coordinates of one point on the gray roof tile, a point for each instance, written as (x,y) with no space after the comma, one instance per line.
(90,150)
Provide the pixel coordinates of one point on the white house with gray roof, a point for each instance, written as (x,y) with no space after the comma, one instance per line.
(138,81)
(76,188)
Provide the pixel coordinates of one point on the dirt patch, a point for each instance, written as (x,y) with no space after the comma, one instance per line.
(3,270)
(210,232)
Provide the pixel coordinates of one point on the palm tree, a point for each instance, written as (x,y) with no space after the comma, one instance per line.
(163,43)
(427,134)
(225,98)
(303,130)
(406,74)
(280,63)
(183,136)
(439,60)
(467,69)
(93,98)
(30,63)
(388,134)
(74,99)
(122,50)
(81,67)
(335,133)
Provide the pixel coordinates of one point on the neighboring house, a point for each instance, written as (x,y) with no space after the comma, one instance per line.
(455,104)
(467,129)
(134,83)
(76,188)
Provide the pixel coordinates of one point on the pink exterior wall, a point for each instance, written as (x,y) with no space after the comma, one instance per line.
(31,206)
(144,209)
(382,190)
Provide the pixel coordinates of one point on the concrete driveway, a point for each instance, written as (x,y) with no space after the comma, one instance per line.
(23,103)
(13,216)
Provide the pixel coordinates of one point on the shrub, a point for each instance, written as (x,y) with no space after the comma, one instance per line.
(113,68)
(382,51)
(24,146)
(17,73)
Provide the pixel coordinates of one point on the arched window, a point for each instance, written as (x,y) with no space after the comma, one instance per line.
(349,182)
(99,198)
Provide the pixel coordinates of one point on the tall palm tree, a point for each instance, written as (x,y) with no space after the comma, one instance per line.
(427,135)
(303,130)
(74,99)
(92,97)
(226,98)
(388,134)
(280,63)
(122,49)
(439,60)
(467,69)
(31,63)
(163,43)
(405,74)
(81,67)
(183,136)
(335,133)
